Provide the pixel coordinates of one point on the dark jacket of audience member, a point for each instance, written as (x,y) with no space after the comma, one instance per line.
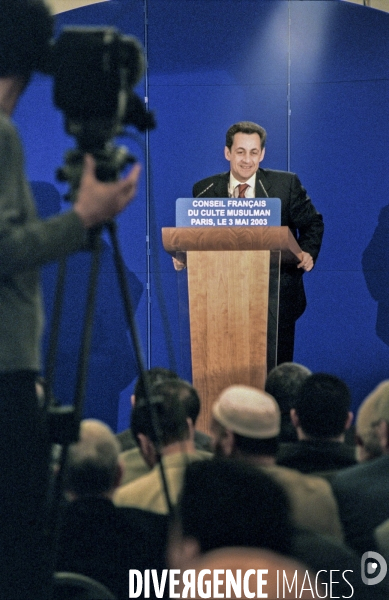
(321,416)
(219,504)
(362,491)
(210,517)
(96,538)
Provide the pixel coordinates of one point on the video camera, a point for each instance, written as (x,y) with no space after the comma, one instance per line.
(95,71)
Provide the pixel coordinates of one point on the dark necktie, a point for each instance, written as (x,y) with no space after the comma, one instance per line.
(242,189)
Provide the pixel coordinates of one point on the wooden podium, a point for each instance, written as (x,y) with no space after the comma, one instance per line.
(233,281)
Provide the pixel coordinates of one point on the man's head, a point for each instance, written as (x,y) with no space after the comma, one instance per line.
(284,384)
(322,410)
(217,564)
(227,503)
(26,27)
(372,424)
(152,376)
(191,401)
(187,394)
(245,149)
(92,466)
(247,127)
(161,420)
(245,421)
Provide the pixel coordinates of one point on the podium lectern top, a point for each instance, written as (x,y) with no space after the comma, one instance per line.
(183,239)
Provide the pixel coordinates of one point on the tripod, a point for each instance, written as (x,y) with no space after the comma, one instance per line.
(64,422)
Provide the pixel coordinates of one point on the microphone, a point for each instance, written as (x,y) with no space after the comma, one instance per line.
(206,189)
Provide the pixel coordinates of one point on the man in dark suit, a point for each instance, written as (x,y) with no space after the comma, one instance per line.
(245,149)
(321,415)
(96,538)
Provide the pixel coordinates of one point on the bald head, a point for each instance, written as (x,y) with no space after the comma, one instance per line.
(373,410)
(92,466)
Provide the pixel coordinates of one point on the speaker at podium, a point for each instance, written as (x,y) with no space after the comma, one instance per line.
(233,289)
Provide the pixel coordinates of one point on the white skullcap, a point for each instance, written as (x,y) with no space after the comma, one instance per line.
(248,411)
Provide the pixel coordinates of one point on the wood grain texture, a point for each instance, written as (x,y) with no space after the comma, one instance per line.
(228,304)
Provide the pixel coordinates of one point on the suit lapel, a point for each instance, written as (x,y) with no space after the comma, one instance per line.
(221,186)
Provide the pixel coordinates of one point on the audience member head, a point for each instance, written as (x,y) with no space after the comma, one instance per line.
(160,421)
(188,394)
(92,465)
(227,503)
(152,376)
(217,564)
(284,384)
(372,423)
(322,409)
(245,422)
(245,127)
(26,27)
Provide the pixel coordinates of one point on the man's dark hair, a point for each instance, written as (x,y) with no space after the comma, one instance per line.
(26,27)
(169,413)
(245,127)
(284,384)
(230,503)
(187,393)
(323,405)
(190,399)
(152,376)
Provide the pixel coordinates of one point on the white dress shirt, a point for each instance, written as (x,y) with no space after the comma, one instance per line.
(233,190)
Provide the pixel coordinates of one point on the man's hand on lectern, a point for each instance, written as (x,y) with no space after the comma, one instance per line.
(306,261)
(179,261)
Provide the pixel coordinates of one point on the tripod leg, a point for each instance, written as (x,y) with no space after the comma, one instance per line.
(120,268)
(54,334)
(65,421)
(82,369)
(129,312)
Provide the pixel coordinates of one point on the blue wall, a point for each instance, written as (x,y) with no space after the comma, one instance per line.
(315,75)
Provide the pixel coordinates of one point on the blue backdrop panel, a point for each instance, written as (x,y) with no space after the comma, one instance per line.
(337,41)
(204,36)
(342,325)
(339,133)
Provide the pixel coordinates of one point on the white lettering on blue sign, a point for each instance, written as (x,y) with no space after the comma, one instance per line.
(228,212)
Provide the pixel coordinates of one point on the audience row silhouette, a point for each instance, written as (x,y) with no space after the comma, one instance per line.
(310,507)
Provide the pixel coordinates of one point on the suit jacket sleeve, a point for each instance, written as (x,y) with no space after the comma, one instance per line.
(304,217)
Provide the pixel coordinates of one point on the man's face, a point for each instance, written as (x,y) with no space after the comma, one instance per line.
(245,155)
